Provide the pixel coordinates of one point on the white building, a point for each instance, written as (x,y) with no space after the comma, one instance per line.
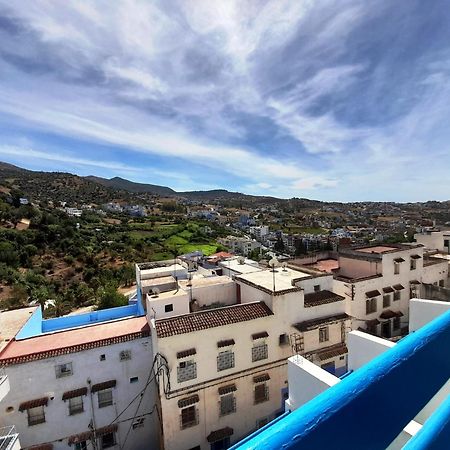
(77,381)
(240,245)
(225,357)
(434,240)
(379,281)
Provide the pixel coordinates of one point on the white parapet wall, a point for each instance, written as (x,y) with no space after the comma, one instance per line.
(422,311)
(306,381)
(363,347)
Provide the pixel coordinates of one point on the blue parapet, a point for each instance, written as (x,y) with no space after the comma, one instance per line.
(369,408)
(435,433)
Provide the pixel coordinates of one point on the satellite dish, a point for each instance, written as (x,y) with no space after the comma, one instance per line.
(284,265)
(274,263)
(155,292)
(241,260)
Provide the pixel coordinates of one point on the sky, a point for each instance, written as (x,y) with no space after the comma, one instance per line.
(332,100)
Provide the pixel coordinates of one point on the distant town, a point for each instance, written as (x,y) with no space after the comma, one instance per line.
(134,319)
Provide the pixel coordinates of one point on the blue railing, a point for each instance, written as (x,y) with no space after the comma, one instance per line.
(369,408)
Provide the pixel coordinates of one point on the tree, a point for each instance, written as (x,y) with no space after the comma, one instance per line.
(279,245)
(110,298)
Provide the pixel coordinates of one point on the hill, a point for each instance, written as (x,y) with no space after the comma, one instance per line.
(131,186)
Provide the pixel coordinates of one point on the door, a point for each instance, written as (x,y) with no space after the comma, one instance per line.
(223,444)
(386,329)
(329,367)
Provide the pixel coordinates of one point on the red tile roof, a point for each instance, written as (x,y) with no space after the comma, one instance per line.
(219,317)
(321,298)
(76,340)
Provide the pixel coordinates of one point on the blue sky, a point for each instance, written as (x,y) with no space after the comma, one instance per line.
(333,100)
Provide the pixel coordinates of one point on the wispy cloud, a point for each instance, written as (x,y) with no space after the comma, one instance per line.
(303,98)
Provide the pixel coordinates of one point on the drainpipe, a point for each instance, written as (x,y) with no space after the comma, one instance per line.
(94,426)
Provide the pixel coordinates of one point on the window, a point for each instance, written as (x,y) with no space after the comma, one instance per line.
(371,305)
(386,301)
(283,339)
(76,405)
(138,423)
(447,243)
(225,360)
(105,398)
(396,323)
(261,393)
(81,445)
(168,308)
(413,264)
(134,379)
(102,357)
(259,352)
(397,295)
(396,268)
(125,355)
(108,440)
(227,404)
(189,417)
(36,415)
(323,334)
(187,370)
(317,288)
(63,370)
(441,283)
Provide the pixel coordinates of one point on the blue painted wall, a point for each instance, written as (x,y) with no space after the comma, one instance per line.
(36,325)
(33,326)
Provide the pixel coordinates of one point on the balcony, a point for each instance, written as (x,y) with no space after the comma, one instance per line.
(349,414)
(4,384)
(9,438)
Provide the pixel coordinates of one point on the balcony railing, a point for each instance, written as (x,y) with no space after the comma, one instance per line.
(344,416)
(8,436)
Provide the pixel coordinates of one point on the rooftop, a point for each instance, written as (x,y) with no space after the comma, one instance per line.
(376,249)
(197,282)
(37,325)
(322,298)
(202,320)
(325,265)
(11,322)
(247,266)
(284,278)
(75,340)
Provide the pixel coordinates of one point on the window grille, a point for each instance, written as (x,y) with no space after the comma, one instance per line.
(188,417)
(225,360)
(187,370)
(105,398)
(227,404)
(259,352)
(386,301)
(75,405)
(36,415)
(261,393)
(397,295)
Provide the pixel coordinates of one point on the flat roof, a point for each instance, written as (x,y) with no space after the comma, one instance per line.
(172,294)
(236,266)
(71,341)
(325,265)
(205,281)
(157,281)
(11,322)
(377,249)
(283,278)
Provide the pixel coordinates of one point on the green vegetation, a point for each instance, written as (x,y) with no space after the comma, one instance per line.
(67,263)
